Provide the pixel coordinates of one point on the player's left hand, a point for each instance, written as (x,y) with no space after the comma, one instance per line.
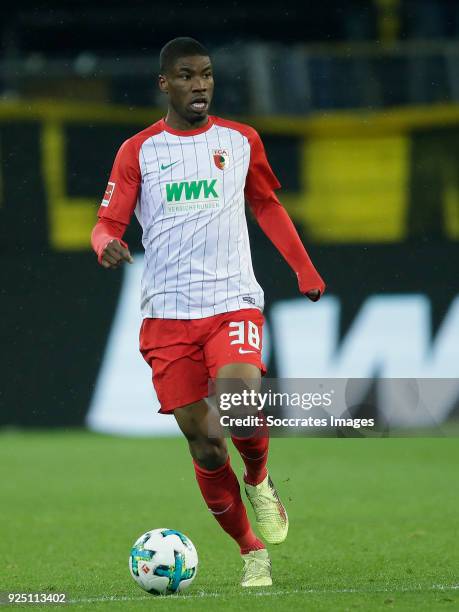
(313,295)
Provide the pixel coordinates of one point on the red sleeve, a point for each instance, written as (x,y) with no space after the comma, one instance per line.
(277,225)
(120,197)
(104,232)
(274,219)
(261,180)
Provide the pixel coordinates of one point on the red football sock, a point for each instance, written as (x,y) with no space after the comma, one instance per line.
(254,454)
(220,489)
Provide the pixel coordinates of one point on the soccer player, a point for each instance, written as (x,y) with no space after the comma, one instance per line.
(187,178)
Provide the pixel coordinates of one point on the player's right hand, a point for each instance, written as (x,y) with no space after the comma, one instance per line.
(114,254)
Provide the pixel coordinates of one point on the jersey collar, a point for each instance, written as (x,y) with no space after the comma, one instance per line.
(201,130)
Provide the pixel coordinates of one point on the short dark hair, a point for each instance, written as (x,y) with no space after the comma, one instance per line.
(179,47)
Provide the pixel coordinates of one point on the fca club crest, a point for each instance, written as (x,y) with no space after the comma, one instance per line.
(221,158)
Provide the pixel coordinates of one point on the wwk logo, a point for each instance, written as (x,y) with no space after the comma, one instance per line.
(188,196)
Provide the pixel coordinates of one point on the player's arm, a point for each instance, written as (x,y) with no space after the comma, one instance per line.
(106,240)
(117,207)
(275,221)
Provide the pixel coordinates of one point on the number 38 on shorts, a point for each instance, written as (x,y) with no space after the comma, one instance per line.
(246,334)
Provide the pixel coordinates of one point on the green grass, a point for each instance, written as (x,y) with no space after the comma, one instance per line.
(374,522)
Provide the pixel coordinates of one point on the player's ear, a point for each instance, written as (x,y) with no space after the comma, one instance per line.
(162,83)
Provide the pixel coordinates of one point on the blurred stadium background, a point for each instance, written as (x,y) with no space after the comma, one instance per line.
(358,105)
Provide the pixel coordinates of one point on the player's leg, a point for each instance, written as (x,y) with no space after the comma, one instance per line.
(216,478)
(234,378)
(252,443)
(234,353)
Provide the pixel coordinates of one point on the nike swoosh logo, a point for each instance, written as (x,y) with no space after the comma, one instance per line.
(166,166)
(242,351)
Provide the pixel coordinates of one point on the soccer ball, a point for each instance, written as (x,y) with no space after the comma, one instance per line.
(163,561)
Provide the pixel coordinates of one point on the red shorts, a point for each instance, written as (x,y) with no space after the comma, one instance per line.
(185,354)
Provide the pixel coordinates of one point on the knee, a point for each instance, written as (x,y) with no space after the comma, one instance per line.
(209,454)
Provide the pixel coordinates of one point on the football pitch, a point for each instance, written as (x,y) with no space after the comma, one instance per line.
(373,522)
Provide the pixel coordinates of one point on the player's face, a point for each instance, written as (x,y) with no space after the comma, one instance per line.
(189,85)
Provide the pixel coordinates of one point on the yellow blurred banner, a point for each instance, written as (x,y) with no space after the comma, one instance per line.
(354,188)
(362,177)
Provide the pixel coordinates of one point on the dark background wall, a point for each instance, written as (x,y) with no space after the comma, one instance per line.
(119,27)
(57,310)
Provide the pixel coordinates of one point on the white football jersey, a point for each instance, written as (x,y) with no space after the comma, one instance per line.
(188,191)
